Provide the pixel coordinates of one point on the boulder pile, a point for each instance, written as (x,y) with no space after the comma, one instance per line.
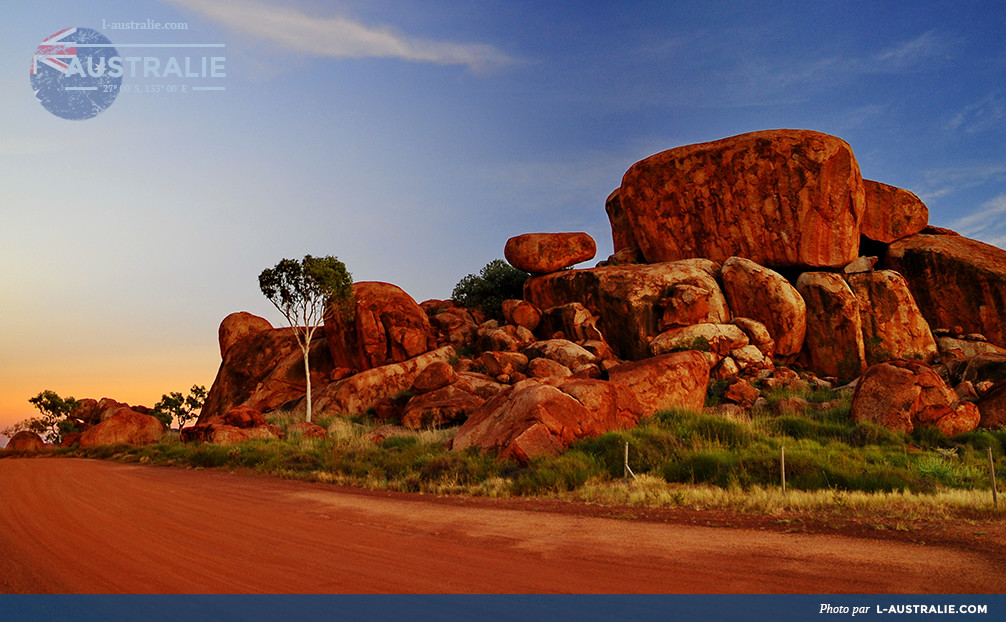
(737,261)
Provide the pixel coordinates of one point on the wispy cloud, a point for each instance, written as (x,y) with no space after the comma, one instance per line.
(339,37)
(909,54)
(949,180)
(986,223)
(981,116)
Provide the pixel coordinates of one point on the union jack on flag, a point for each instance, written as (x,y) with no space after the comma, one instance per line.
(54,50)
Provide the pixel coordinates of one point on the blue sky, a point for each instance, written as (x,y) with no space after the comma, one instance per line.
(411,139)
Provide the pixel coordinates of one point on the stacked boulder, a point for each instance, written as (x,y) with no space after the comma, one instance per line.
(747,249)
(736,260)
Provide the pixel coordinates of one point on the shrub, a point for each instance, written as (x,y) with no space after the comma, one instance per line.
(703,467)
(486,291)
(559,474)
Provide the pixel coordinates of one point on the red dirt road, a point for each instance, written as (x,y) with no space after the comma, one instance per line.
(70,526)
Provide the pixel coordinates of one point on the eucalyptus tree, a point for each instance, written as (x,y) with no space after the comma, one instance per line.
(302,291)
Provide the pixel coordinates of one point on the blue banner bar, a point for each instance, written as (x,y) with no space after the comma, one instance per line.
(727,608)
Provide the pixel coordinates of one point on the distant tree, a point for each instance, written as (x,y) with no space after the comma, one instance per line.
(302,291)
(53,424)
(496,282)
(174,406)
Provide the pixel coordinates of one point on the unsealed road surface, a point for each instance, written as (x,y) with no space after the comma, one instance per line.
(71,525)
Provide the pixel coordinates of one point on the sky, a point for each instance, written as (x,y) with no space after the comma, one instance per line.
(411,139)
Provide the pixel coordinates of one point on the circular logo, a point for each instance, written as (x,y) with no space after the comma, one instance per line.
(76,73)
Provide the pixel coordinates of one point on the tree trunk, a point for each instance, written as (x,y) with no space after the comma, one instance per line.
(307,375)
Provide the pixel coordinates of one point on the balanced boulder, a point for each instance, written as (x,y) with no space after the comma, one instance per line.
(238,326)
(543,253)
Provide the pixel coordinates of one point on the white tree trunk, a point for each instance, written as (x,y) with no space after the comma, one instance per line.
(307,375)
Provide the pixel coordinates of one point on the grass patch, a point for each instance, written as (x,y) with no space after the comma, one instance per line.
(683,458)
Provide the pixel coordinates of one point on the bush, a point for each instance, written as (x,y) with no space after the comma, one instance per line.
(559,474)
(703,467)
(486,291)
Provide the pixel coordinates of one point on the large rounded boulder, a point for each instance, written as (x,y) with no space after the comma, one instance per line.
(777,197)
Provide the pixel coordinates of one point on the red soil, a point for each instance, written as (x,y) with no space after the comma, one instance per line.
(71,525)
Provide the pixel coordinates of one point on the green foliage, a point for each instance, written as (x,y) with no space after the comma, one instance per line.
(715,391)
(699,343)
(302,289)
(559,474)
(496,282)
(52,425)
(175,406)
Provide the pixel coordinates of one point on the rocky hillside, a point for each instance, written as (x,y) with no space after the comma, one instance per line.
(759,261)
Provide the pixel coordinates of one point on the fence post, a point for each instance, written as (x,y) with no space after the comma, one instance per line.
(992,474)
(782,467)
(626,471)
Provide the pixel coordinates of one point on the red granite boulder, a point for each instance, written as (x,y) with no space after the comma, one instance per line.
(764,295)
(25,440)
(893,326)
(543,253)
(777,197)
(124,426)
(383,326)
(532,419)
(902,395)
(238,326)
(891,213)
(834,341)
(956,281)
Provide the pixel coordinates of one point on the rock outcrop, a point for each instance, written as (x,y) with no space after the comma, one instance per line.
(777,208)
(955,281)
(265,371)
(902,395)
(777,197)
(626,298)
(542,253)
